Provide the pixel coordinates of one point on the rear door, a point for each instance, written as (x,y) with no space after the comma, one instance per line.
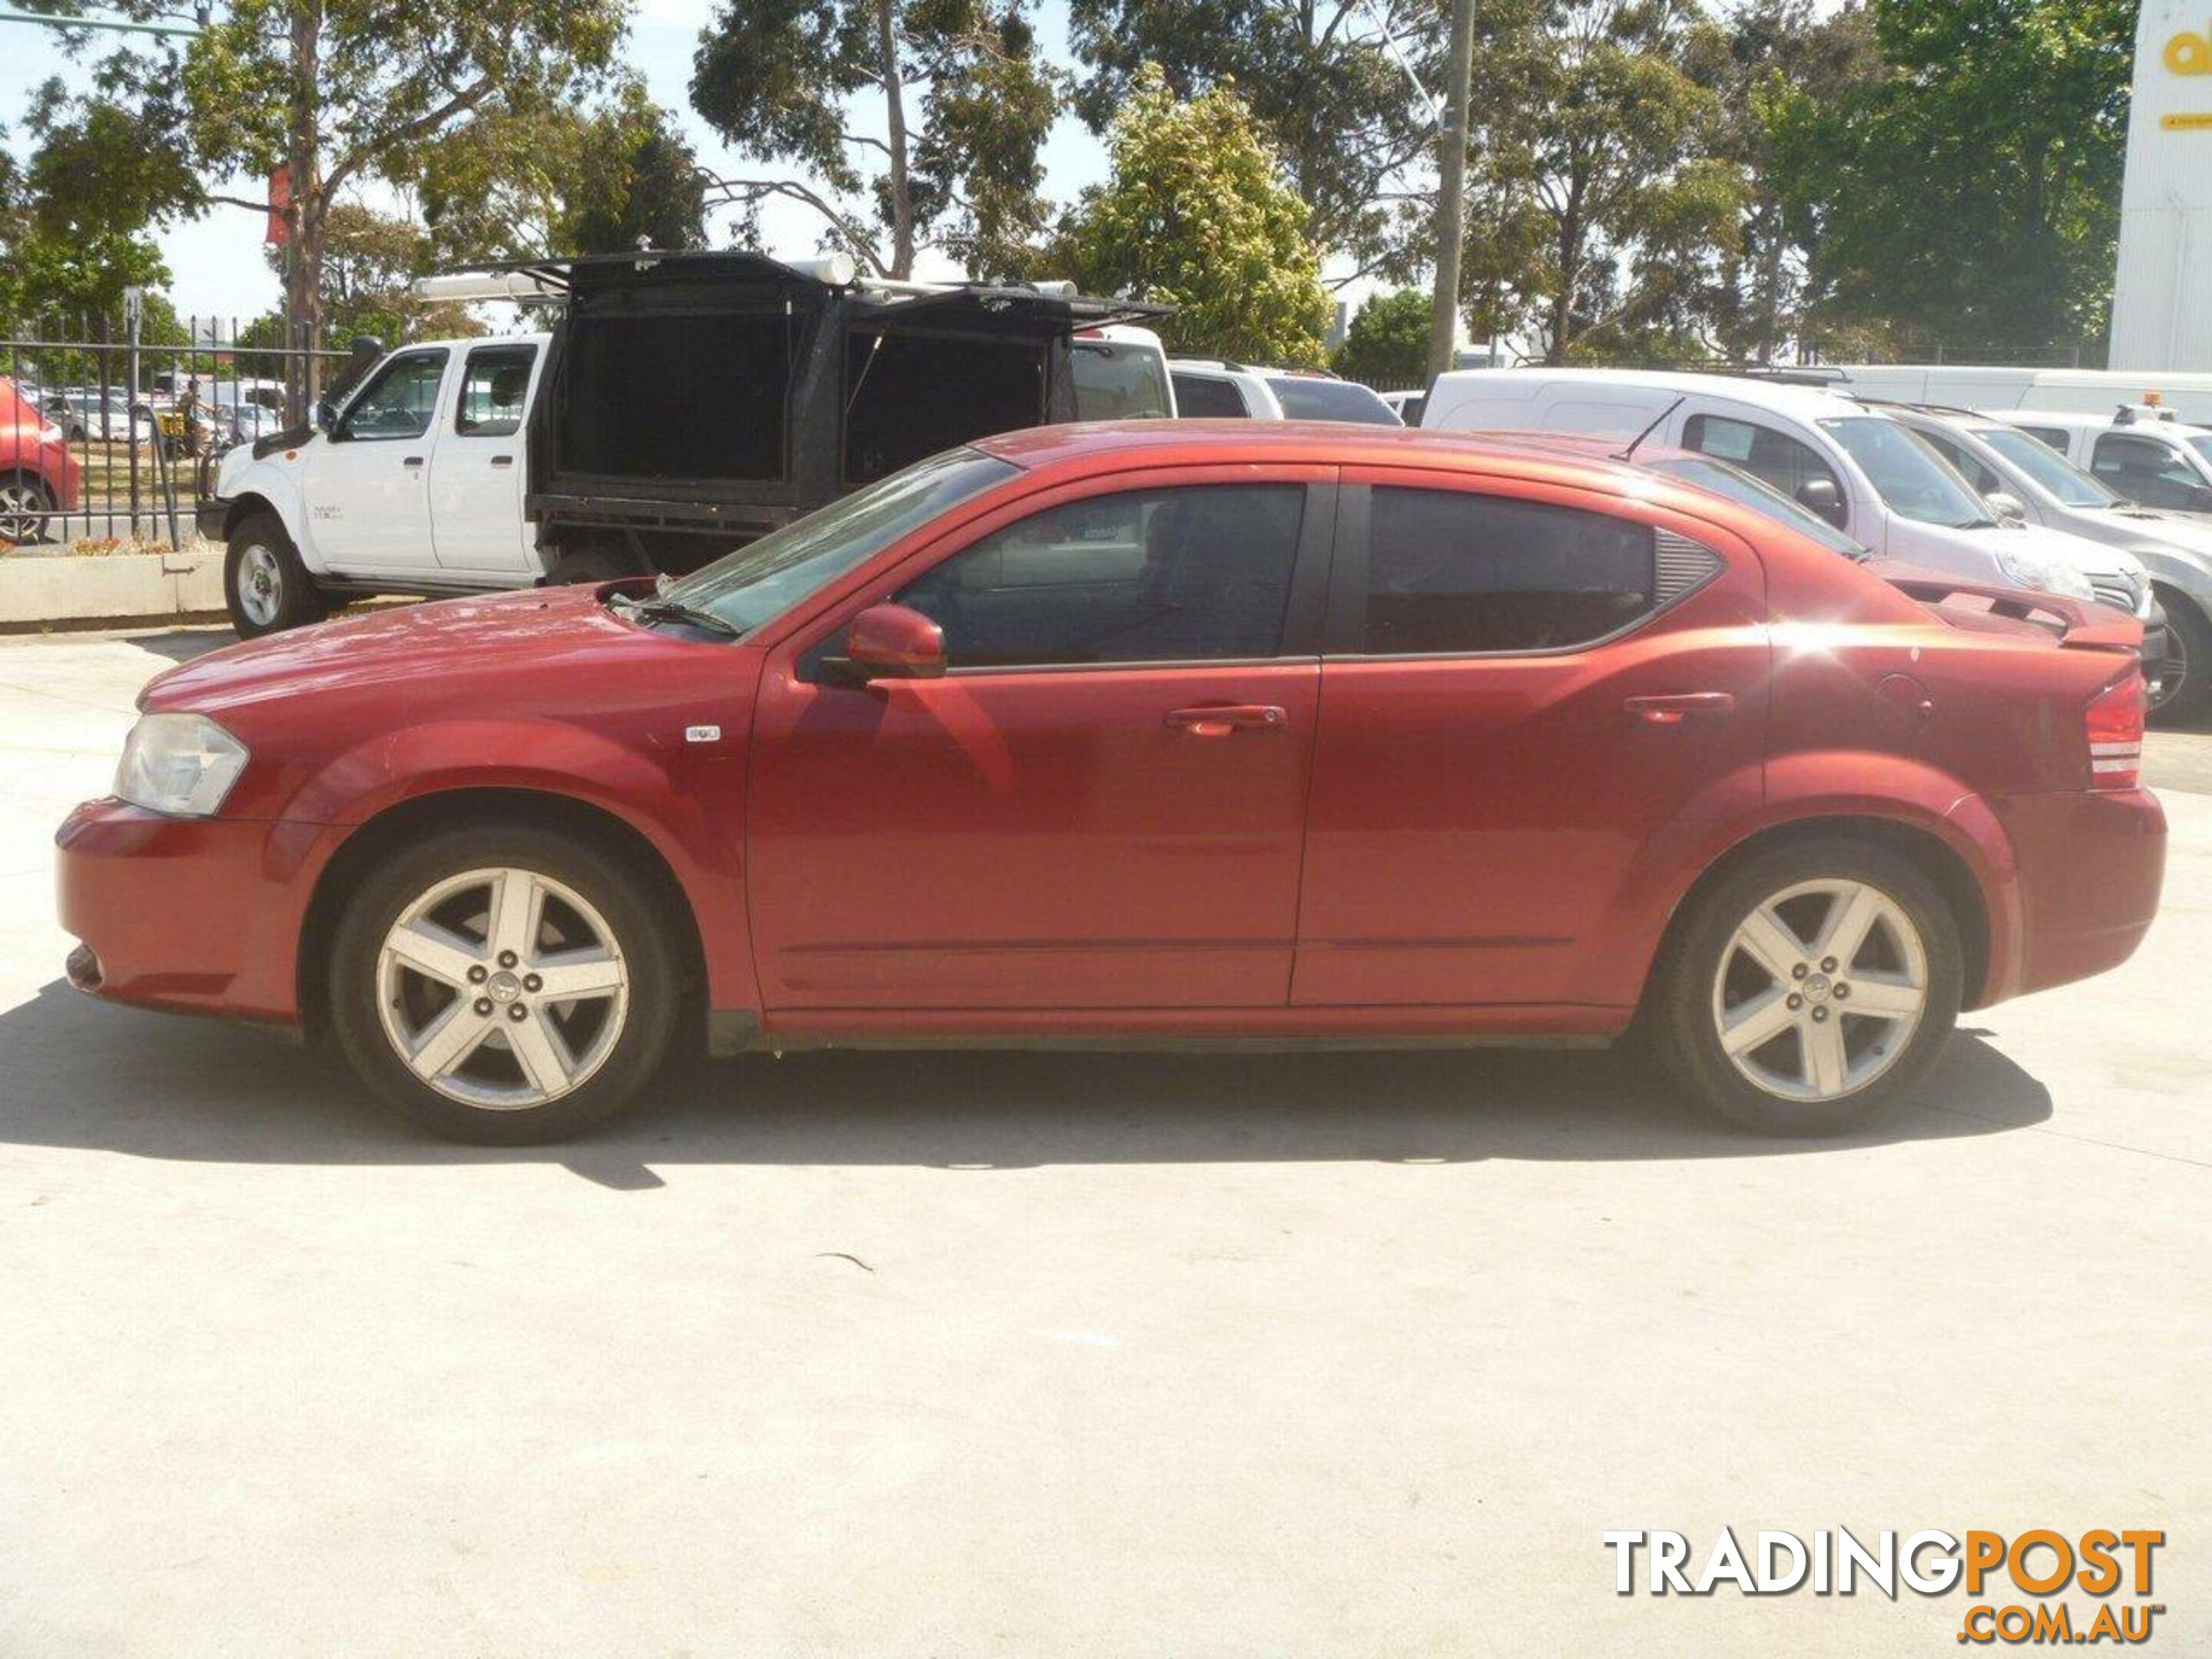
(1531,703)
(476,466)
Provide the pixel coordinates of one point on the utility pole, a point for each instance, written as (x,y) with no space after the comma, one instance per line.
(1451,194)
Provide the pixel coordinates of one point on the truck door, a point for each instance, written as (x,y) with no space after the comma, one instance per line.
(477,463)
(367,483)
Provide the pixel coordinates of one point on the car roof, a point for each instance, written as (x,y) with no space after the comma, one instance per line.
(2075,420)
(1780,397)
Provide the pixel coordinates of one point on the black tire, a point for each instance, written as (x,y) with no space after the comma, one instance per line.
(266,595)
(623,902)
(593,564)
(2187,671)
(25,505)
(1682,1023)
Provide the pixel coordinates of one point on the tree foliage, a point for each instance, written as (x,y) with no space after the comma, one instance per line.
(1196,215)
(370,260)
(965,102)
(1387,345)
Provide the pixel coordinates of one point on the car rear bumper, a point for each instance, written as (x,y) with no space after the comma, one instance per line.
(196,915)
(2088,868)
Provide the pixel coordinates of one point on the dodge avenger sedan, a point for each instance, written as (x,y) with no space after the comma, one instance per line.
(1178,733)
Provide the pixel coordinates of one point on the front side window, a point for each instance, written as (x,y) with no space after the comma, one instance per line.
(2049,435)
(1907,473)
(1451,572)
(1202,398)
(1195,574)
(400,401)
(1775,456)
(493,383)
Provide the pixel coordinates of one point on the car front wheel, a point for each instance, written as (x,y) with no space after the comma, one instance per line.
(263,583)
(1812,988)
(25,506)
(505,985)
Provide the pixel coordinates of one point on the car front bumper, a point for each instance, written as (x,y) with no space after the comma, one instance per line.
(194,915)
(211,517)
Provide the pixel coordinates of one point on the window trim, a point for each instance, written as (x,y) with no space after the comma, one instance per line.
(1305,612)
(441,355)
(1346,632)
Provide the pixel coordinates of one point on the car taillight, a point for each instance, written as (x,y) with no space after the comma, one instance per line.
(2114,725)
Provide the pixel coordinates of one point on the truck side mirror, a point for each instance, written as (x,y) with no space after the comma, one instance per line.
(327,414)
(1822,496)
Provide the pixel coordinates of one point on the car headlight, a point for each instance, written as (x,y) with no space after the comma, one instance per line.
(181,765)
(2030,571)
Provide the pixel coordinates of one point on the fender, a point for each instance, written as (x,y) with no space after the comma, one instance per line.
(2186,573)
(270,482)
(671,803)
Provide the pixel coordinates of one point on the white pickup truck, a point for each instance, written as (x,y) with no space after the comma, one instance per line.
(415,487)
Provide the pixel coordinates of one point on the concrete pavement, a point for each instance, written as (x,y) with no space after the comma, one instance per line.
(1025,1354)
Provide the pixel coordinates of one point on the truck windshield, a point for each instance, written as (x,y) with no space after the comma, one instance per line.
(2073,487)
(1759,497)
(1917,482)
(756,583)
(1118,381)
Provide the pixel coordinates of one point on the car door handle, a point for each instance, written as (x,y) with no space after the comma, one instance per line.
(502,461)
(412,460)
(1220,719)
(1673,708)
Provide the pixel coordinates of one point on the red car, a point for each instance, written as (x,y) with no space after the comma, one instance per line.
(1146,733)
(38,476)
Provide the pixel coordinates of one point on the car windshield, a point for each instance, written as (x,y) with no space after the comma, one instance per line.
(2202,444)
(1916,482)
(2047,467)
(1304,399)
(1759,497)
(755,583)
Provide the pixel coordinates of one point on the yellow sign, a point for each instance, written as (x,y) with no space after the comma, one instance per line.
(2188,54)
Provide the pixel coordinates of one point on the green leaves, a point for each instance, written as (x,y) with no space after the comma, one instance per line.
(1388,343)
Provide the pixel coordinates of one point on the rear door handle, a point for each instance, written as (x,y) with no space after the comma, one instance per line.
(1219,720)
(412,460)
(502,461)
(1674,708)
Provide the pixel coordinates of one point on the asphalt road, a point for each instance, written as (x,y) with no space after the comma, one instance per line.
(1031,1355)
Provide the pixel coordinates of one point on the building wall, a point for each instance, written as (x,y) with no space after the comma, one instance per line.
(2162,301)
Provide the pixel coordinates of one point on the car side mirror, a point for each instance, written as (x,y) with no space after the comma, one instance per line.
(1820,495)
(2007,507)
(327,414)
(891,642)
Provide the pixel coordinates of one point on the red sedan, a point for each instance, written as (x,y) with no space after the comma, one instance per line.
(38,476)
(1141,734)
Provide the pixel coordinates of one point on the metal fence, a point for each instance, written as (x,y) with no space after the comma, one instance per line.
(107,429)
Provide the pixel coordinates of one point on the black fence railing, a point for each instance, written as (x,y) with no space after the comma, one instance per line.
(105,434)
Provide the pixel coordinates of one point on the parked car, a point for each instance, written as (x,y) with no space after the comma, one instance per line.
(96,414)
(1407,405)
(1854,466)
(1212,389)
(682,405)
(1309,395)
(38,476)
(2141,453)
(1354,737)
(2007,465)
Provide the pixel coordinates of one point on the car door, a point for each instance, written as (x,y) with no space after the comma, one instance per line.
(476,465)
(1531,705)
(1102,803)
(366,487)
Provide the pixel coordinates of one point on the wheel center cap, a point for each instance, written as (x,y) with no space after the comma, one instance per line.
(1817,988)
(503,987)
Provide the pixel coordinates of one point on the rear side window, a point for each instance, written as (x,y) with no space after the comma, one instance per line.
(2048,435)
(1451,572)
(493,386)
(1970,466)
(1201,397)
(1194,575)
(1776,457)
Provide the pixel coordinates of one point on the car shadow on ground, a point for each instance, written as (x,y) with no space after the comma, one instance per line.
(74,1072)
(182,644)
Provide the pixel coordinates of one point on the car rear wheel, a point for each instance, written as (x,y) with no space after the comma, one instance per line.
(2185,676)
(263,583)
(505,985)
(25,506)
(1812,988)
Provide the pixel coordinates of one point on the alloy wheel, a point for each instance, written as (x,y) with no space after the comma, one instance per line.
(2170,674)
(22,510)
(1819,990)
(503,989)
(260,584)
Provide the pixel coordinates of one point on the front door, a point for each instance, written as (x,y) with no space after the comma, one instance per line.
(1102,803)
(476,469)
(1528,708)
(367,483)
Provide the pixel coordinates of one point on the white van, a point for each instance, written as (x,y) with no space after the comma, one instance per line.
(1854,466)
(2074,391)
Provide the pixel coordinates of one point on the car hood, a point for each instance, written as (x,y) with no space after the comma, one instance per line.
(2189,530)
(2063,547)
(410,654)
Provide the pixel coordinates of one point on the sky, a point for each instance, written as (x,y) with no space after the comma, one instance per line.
(216,264)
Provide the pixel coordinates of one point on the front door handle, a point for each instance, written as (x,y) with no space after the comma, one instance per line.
(502,461)
(412,460)
(1674,708)
(1220,719)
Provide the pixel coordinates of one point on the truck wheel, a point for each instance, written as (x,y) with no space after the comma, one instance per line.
(593,564)
(25,503)
(263,583)
(505,984)
(2185,675)
(1811,989)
